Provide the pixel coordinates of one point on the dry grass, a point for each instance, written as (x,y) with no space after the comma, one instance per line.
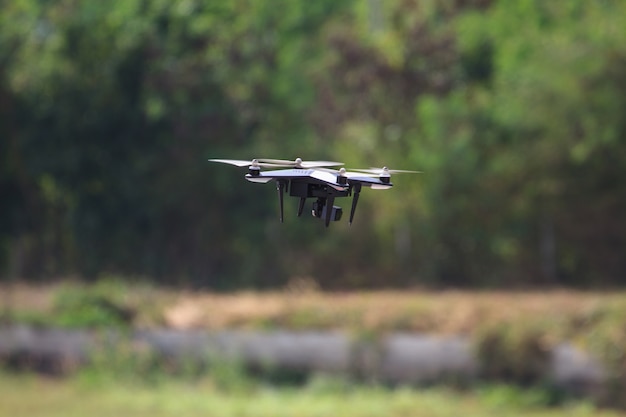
(449,312)
(444,312)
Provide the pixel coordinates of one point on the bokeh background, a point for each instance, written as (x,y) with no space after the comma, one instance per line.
(122,247)
(514,110)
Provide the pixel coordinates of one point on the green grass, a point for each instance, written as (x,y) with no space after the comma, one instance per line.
(28,395)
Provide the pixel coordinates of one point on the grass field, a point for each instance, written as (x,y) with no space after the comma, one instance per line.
(510,330)
(33,396)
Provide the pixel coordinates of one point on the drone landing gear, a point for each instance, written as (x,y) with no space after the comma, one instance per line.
(301,205)
(280,187)
(355,200)
(329,203)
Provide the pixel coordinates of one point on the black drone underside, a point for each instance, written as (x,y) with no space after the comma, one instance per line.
(316,179)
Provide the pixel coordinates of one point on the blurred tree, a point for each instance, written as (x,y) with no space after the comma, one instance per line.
(124,103)
(508,105)
(514,110)
(539,140)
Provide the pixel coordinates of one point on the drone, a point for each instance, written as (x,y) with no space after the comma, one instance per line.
(316,179)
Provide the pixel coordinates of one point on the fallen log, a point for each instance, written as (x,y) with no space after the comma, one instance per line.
(398,358)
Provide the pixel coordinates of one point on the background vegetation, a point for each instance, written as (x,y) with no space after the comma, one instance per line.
(514,110)
(511,334)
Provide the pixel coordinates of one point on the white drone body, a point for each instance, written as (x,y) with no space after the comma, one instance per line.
(316,179)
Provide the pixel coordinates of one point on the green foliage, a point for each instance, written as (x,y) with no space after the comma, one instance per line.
(124,360)
(94,306)
(513,110)
(606,339)
(120,360)
(230,376)
(511,396)
(321,384)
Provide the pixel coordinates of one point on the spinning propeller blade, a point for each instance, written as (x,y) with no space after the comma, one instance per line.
(254,162)
(347,174)
(277,163)
(299,163)
(385,170)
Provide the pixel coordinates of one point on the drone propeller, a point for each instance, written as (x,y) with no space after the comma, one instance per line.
(342,172)
(258,163)
(278,163)
(299,163)
(387,171)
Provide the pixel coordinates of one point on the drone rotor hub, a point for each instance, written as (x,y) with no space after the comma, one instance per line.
(254,169)
(342,178)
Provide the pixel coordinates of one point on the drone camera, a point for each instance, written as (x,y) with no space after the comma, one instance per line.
(336,213)
(320,212)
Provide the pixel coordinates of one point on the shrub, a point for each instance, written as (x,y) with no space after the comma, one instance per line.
(512,353)
(101,305)
(607,341)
